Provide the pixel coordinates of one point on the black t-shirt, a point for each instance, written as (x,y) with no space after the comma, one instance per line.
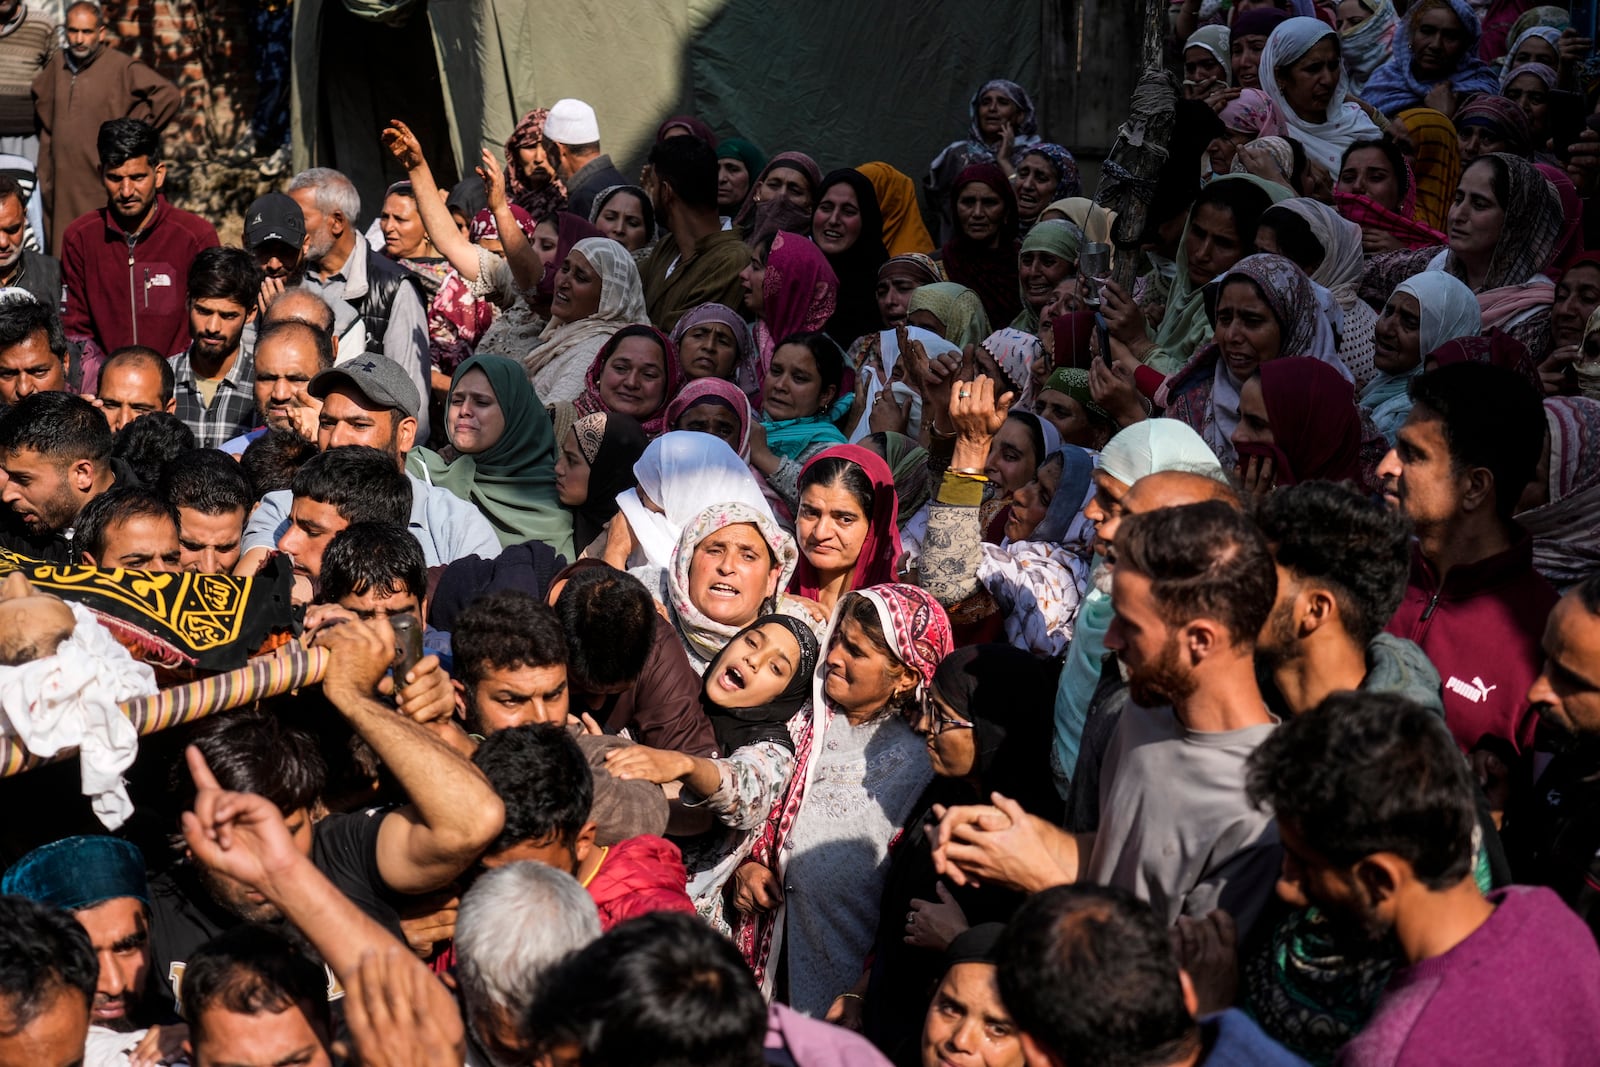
(184,917)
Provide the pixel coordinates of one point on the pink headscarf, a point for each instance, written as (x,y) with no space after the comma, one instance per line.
(880,552)
(1248,112)
(591,400)
(799,294)
(702,389)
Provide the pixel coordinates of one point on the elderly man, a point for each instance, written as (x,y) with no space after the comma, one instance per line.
(275,234)
(82,86)
(101,881)
(586,170)
(343,266)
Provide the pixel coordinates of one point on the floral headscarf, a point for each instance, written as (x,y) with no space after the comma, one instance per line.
(484,227)
(1027,124)
(915,627)
(610,444)
(1213,40)
(1366,46)
(1016,351)
(1248,112)
(591,401)
(547,199)
(1067,181)
(798,295)
(703,637)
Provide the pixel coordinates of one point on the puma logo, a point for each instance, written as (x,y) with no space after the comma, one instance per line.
(1475,690)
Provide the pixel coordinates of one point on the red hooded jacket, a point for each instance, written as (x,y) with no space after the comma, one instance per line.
(123,291)
(639,875)
(1482,628)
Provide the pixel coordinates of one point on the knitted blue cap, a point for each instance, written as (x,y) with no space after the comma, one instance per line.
(79,872)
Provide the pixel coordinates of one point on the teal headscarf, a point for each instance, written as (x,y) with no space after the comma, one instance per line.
(513,482)
(1058,237)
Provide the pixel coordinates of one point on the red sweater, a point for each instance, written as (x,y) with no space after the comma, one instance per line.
(126,293)
(1482,629)
(639,875)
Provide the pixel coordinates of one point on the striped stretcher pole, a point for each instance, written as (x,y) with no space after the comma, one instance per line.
(289,668)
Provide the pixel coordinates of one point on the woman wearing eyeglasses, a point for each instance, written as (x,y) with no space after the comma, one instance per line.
(987,725)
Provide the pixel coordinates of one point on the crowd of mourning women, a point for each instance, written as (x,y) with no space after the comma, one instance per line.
(851,634)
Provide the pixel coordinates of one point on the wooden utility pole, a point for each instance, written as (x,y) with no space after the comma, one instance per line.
(1128,176)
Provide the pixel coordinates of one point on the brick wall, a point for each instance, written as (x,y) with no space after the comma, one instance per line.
(202,45)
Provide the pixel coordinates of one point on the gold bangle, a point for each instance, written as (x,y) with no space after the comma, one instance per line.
(968,472)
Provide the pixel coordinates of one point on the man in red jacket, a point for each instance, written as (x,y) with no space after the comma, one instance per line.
(126,265)
(1473,602)
(547,788)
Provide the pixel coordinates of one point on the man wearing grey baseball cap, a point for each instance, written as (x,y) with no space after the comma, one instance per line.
(370,400)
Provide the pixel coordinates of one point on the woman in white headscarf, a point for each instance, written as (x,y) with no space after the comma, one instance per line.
(597,293)
(680,475)
(1333,259)
(1302,73)
(1423,312)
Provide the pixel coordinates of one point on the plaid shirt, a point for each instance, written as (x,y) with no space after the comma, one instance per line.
(233,406)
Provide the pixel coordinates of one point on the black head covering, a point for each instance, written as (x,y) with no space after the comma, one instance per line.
(530,567)
(976,944)
(857,266)
(1009,696)
(737,727)
(468,198)
(610,473)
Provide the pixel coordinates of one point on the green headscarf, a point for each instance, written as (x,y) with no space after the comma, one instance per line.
(1074,382)
(1058,237)
(908,462)
(1184,326)
(513,482)
(965,321)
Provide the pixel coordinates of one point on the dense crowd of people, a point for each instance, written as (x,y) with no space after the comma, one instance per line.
(769,614)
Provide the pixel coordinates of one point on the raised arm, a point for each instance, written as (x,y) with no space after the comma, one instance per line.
(527,269)
(392,999)
(454,813)
(407,151)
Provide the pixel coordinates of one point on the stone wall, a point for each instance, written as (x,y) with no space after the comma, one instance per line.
(203,46)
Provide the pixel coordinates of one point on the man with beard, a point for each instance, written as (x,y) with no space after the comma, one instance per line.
(101,881)
(1474,602)
(55,450)
(1342,561)
(372,857)
(80,87)
(1552,830)
(371,401)
(1380,838)
(20,267)
(215,379)
(1191,588)
(696,261)
(1102,707)
(275,234)
(126,265)
(342,266)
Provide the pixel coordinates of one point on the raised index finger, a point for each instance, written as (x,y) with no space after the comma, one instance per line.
(199,770)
